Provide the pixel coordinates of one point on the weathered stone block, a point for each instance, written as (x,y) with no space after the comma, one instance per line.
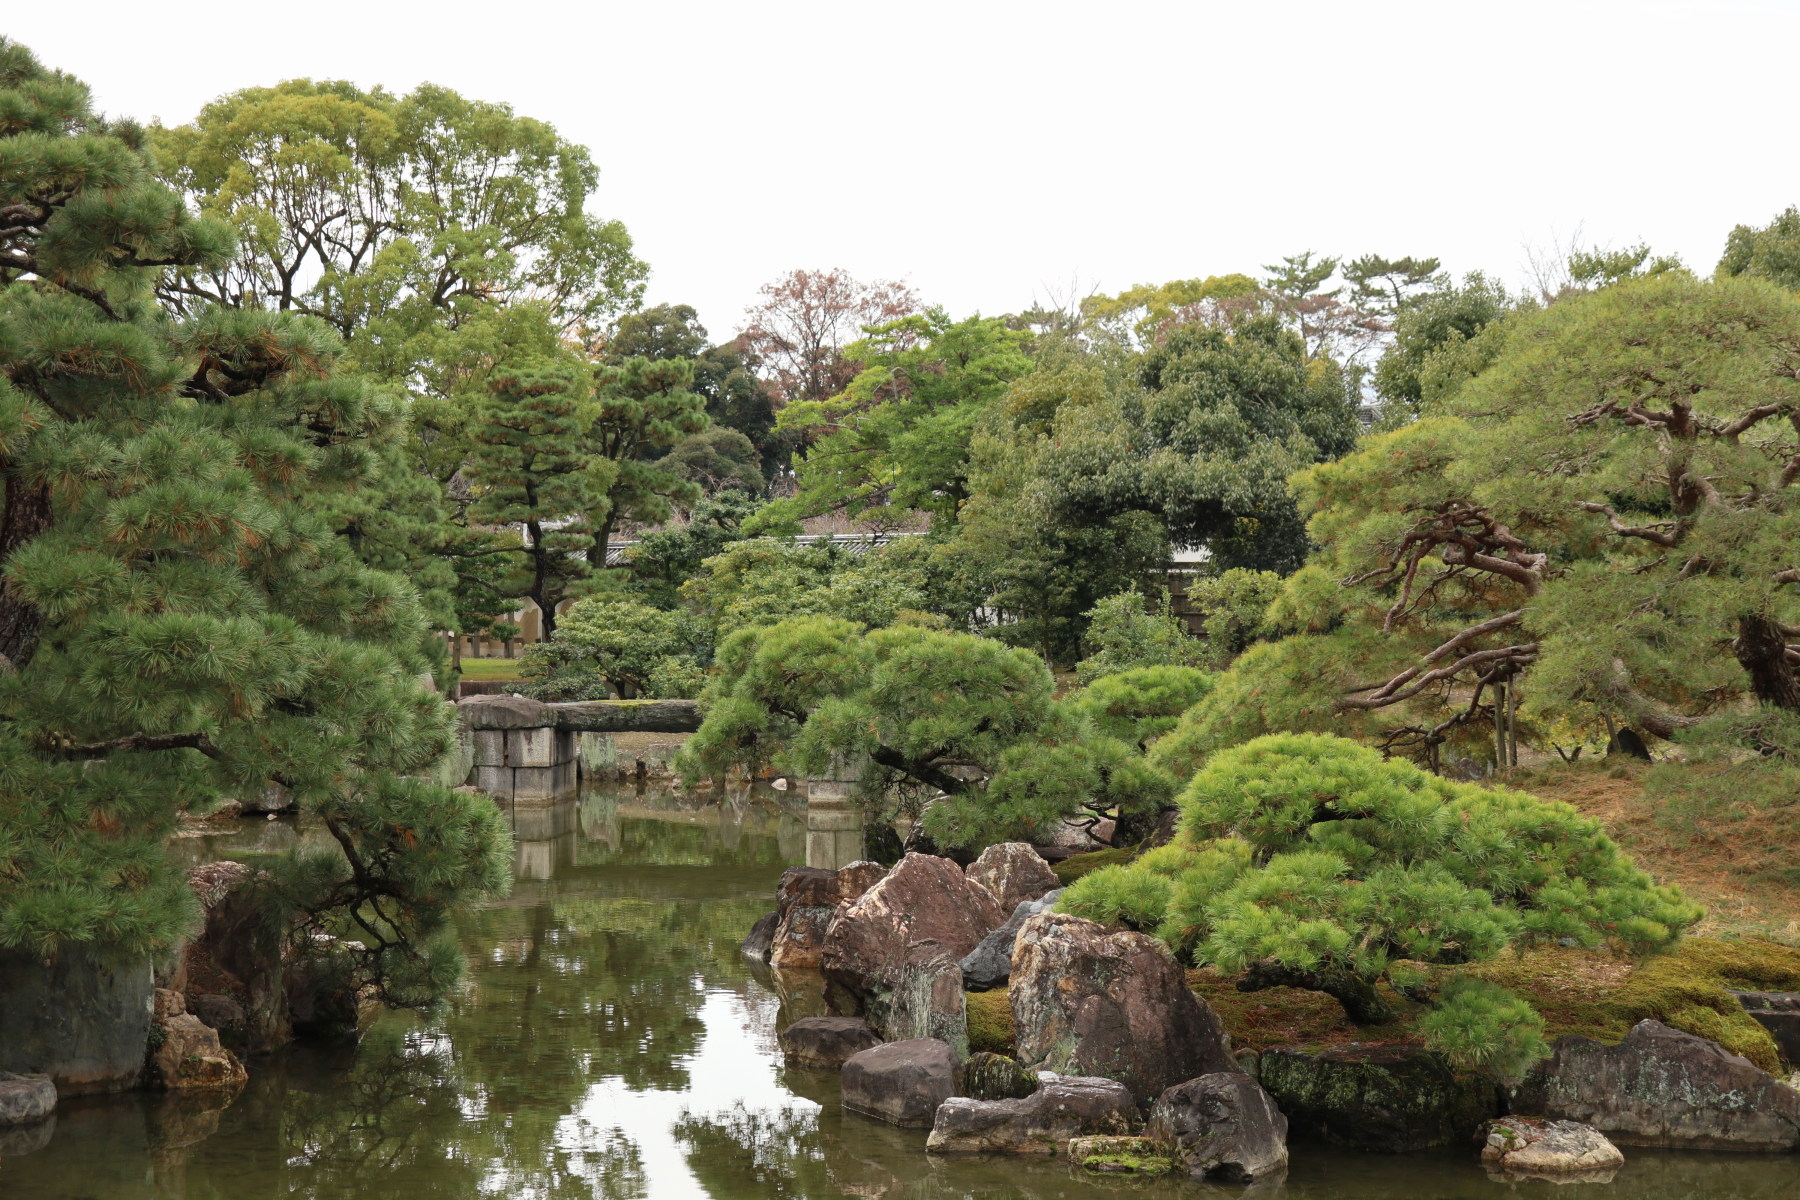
(902,1083)
(489,746)
(1041,1123)
(531,747)
(495,781)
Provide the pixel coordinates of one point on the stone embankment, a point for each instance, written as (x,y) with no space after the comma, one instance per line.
(1123,1069)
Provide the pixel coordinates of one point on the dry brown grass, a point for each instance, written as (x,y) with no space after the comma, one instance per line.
(1727,852)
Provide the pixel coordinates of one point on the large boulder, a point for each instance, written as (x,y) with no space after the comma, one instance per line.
(239,955)
(1387,1097)
(1014,872)
(1663,1087)
(25,1099)
(805,901)
(1041,1123)
(902,1083)
(989,965)
(874,939)
(1116,1005)
(185,1051)
(825,1041)
(81,1018)
(1221,1127)
(1568,1151)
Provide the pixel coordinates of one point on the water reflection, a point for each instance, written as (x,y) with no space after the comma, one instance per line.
(610,1042)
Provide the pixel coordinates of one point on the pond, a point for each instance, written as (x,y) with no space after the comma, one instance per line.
(612,1044)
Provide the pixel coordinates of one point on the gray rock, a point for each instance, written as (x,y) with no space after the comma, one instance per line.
(989,965)
(1526,1148)
(761,939)
(1779,1013)
(902,1083)
(1041,1123)
(1013,872)
(81,1019)
(1663,1087)
(825,1041)
(1221,1127)
(1392,1098)
(25,1099)
(1117,1005)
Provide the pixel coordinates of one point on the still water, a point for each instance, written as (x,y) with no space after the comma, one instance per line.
(611,1044)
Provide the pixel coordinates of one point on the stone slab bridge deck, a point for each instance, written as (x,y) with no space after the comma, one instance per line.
(528,751)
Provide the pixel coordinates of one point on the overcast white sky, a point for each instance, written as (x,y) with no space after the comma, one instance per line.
(987,152)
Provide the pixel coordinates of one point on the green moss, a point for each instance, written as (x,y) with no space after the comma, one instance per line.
(1128,1164)
(1581,993)
(990,1022)
(1071,869)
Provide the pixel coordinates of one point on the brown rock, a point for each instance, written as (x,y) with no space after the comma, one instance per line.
(25,1099)
(902,1083)
(1041,1123)
(825,1041)
(1663,1087)
(871,941)
(185,1051)
(1013,872)
(805,901)
(1221,1127)
(1116,1005)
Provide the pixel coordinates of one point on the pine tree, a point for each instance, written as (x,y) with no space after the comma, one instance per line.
(531,463)
(179,622)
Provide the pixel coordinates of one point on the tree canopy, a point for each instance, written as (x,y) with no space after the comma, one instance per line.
(180,622)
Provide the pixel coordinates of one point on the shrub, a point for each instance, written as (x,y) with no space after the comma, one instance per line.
(1310,861)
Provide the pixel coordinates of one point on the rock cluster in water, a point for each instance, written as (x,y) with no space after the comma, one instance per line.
(1122,1068)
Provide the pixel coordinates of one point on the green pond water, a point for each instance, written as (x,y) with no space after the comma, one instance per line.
(612,1044)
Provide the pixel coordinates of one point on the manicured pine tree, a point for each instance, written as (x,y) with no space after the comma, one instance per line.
(645,407)
(179,622)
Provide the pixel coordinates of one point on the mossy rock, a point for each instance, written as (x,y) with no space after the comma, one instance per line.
(1121,1156)
(990,1019)
(1391,1098)
(989,1076)
(1579,992)
(1071,869)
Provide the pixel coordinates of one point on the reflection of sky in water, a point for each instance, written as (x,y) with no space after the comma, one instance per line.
(733,1065)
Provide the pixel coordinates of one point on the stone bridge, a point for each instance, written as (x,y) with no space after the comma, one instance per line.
(528,753)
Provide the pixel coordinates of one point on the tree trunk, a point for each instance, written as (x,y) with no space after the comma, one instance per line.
(1762,651)
(28,512)
(1362,1003)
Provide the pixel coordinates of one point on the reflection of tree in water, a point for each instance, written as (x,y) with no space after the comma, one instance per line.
(780,1151)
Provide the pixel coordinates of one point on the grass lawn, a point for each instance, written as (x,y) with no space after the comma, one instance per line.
(494,669)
